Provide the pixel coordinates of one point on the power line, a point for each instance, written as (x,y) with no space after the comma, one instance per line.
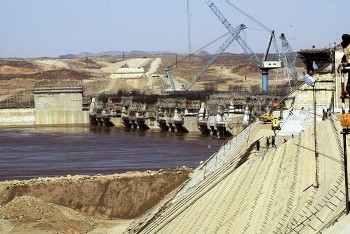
(248,16)
(189,27)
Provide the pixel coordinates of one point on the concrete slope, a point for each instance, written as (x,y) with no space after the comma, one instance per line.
(270,191)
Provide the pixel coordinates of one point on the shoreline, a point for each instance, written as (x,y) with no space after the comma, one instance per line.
(84,203)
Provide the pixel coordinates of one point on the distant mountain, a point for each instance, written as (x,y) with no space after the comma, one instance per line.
(141,52)
(136,52)
(203,53)
(85,54)
(114,53)
(110,53)
(67,56)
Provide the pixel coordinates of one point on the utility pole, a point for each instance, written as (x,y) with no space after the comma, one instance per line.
(310,81)
(175,60)
(315,137)
(345,122)
(345,132)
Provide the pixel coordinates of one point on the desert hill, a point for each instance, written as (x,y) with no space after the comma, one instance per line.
(228,72)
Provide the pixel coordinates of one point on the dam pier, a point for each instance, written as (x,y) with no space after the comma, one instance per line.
(219,114)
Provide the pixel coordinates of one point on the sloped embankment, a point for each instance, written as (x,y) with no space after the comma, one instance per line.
(76,201)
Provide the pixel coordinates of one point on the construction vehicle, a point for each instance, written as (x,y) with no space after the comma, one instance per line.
(275,124)
(269,117)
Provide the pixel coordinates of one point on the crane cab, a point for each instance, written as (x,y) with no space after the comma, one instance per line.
(276,124)
(272,64)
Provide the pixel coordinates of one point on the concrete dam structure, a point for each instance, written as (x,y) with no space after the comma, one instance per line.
(53,105)
(56,105)
(296,185)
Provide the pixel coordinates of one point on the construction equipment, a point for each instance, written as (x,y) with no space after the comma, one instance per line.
(279,105)
(275,125)
(169,75)
(219,51)
(267,117)
(288,57)
(211,60)
(263,64)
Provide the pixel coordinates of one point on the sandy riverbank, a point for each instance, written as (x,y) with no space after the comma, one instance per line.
(81,204)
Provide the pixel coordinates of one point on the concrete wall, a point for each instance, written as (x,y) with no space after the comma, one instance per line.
(17,117)
(190,123)
(117,121)
(338,102)
(235,124)
(304,96)
(59,108)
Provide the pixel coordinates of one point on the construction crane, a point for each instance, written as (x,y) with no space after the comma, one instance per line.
(263,64)
(169,75)
(219,51)
(231,38)
(288,57)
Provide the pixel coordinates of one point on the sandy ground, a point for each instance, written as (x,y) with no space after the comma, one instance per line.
(19,74)
(101,204)
(81,204)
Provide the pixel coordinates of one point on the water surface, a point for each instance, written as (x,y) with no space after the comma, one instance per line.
(30,152)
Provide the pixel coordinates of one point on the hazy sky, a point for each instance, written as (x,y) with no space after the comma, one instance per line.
(37,28)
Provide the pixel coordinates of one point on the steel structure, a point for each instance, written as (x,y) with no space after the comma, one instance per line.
(263,64)
(288,57)
(231,38)
(169,75)
(219,51)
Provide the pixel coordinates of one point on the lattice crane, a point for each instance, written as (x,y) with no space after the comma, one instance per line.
(219,51)
(231,38)
(263,64)
(288,57)
(169,75)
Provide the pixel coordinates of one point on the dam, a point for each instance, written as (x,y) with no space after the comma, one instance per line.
(59,104)
(55,104)
(296,186)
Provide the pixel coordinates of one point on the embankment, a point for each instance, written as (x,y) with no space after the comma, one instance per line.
(24,204)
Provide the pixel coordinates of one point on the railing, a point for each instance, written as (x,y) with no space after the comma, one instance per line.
(58,89)
(24,99)
(228,151)
(220,164)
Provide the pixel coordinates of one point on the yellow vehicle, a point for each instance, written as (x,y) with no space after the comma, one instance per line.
(267,117)
(276,124)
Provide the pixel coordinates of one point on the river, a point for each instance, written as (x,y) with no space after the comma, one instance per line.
(30,152)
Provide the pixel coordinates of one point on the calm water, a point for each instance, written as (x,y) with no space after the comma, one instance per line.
(54,151)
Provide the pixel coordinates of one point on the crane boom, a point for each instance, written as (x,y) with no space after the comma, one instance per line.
(233,32)
(219,51)
(264,65)
(289,58)
(171,80)
(272,33)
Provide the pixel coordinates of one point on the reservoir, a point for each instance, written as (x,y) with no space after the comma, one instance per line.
(31,152)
